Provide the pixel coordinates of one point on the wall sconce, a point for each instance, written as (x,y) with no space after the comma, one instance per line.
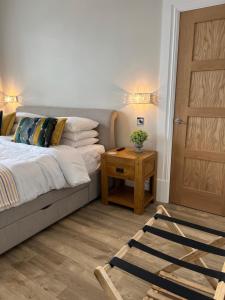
(141,98)
(11,99)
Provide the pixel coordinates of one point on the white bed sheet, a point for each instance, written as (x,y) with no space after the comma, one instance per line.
(92,156)
(38,170)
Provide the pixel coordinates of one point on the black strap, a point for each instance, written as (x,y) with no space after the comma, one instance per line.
(191,225)
(205,271)
(157,280)
(184,241)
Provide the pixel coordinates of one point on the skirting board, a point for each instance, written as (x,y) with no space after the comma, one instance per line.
(162,194)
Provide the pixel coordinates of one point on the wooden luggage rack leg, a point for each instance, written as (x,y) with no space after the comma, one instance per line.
(217,290)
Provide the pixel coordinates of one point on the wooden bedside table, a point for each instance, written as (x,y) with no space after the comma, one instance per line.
(129,165)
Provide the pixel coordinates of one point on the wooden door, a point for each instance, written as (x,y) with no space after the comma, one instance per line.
(198,160)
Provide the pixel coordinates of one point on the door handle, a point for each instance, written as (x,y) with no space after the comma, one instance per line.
(179,121)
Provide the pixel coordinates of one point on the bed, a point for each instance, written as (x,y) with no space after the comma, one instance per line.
(19,223)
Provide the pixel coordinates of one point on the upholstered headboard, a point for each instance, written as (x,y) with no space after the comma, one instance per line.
(105,117)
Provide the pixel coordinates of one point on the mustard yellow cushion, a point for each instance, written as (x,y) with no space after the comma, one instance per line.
(57,133)
(7,123)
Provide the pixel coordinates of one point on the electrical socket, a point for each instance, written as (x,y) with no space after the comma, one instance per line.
(140,121)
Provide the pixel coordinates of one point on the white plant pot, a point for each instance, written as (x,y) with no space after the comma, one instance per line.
(138,148)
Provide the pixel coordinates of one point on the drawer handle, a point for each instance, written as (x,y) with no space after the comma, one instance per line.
(46,207)
(120,170)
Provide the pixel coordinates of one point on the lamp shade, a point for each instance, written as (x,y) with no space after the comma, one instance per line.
(141,98)
(11,99)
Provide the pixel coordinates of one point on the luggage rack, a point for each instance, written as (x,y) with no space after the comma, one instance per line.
(165,284)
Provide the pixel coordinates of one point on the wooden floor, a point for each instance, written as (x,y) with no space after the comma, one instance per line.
(58,263)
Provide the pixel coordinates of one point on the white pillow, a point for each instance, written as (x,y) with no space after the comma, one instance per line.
(81,143)
(20,115)
(74,124)
(79,135)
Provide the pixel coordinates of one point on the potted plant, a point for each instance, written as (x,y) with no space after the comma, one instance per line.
(138,137)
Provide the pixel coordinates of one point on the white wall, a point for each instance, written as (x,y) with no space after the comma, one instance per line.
(84,53)
(1,83)
(168,58)
(88,53)
(1,88)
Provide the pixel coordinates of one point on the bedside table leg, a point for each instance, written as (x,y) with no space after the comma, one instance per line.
(139,197)
(139,190)
(105,188)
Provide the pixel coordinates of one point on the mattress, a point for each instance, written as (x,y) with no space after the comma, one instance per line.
(91,155)
(38,170)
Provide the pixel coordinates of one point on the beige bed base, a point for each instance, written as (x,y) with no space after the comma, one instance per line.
(20,223)
(215,291)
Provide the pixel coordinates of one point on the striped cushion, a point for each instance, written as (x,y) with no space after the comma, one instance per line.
(35,131)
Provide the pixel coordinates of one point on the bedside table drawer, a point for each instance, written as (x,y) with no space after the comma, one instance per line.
(120,171)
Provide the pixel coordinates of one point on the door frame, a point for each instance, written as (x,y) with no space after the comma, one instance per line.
(168,69)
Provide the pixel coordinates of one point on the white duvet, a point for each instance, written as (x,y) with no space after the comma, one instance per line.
(38,170)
